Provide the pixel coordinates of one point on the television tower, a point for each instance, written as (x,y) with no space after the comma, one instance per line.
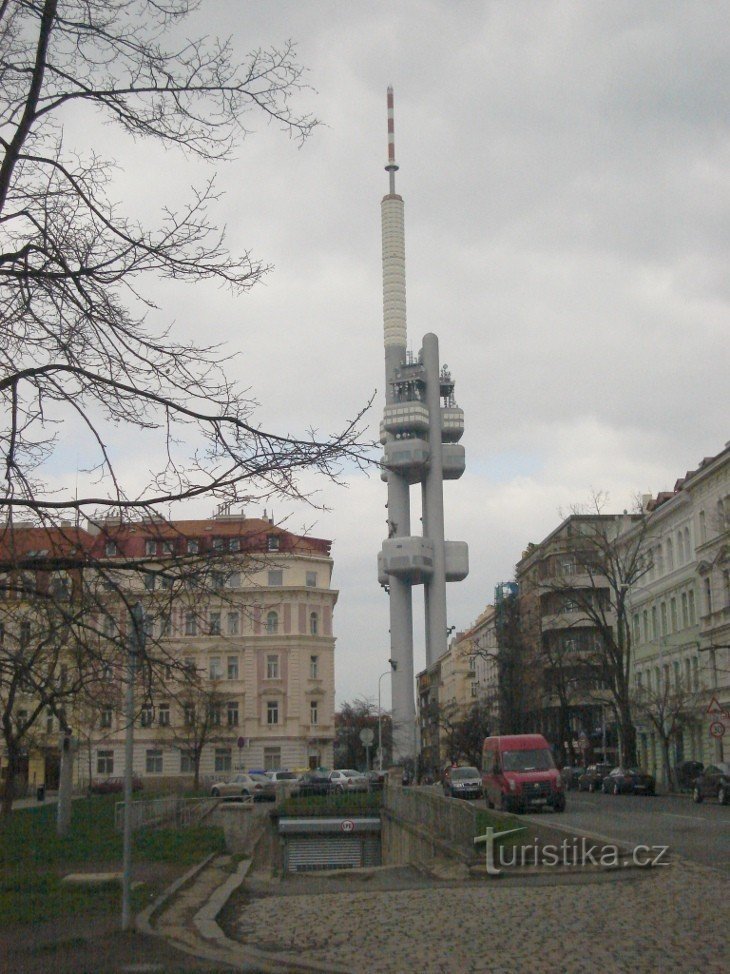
(420,431)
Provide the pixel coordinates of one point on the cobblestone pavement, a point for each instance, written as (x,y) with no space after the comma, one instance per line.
(642,922)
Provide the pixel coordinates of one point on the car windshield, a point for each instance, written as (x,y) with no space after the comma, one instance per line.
(285,776)
(538,760)
(464,773)
(261,778)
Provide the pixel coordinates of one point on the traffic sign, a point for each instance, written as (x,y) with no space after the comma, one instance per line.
(715,710)
(367,736)
(348,825)
(717,728)
(241,743)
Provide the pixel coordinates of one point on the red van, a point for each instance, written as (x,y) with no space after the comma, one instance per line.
(518,773)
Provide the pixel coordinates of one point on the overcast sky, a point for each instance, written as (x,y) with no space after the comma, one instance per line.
(564,167)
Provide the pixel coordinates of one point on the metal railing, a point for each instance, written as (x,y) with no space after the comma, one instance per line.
(172,811)
(454,822)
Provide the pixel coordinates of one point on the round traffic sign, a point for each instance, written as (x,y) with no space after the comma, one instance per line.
(367,735)
(348,825)
(717,728)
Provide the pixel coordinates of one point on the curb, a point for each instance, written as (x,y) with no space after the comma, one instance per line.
(143,920)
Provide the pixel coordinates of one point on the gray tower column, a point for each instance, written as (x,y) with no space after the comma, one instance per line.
(432,492)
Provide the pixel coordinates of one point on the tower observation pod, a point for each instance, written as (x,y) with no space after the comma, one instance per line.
(420,433)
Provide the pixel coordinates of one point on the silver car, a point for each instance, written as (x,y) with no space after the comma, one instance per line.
(249,787)
(346,779)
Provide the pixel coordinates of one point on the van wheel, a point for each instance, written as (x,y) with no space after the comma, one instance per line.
(696,795)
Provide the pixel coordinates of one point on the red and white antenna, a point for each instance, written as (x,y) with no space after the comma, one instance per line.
(392,166)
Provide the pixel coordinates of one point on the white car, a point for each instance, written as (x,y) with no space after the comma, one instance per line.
(347,779)
(288,780)
(247,786)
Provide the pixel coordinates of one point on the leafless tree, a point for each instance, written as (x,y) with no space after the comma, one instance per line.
(667,709)
(607,556)
(76,350)
(80,356)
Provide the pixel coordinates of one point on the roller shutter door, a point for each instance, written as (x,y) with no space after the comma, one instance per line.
(307,852)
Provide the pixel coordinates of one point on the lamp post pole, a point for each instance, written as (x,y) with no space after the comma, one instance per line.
(393,666)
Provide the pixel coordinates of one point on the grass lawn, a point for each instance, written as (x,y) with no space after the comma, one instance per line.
(33,859)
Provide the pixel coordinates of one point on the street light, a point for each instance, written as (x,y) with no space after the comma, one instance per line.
(393,668)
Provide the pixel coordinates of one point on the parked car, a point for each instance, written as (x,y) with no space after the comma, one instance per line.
(376,779)
(257,787)
(570,775)
(109,786)
(686,773)
(347,779)
(519,773)
(714,782)
(628,781)
(593,777)
(463,782)
(283,780)
(313,783)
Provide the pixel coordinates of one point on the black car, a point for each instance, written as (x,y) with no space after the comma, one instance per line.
(570,775)
(714,782)
(593,777)
(628,781)
(463,782)
(313,783)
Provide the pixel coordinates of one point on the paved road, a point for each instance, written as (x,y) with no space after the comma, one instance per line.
(697,832)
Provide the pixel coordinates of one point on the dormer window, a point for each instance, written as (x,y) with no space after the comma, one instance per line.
(272,542)
(110,549)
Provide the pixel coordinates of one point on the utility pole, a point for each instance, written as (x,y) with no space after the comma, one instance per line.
(136,647)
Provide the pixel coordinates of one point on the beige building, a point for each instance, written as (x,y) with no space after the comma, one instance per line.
(240,620)
(680,612)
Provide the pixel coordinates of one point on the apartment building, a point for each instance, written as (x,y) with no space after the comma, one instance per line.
(240,648)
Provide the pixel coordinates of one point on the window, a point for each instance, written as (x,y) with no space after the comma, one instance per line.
(168,547)
(272,543)
(149,581)
(474,688)
(313,623)
(153,761)
(311,581)
(234,544)
(24,633)
(637,631)
(313,713)
(191,624)
(214,714)
(685,614)
(146,716)
(50,722)
(232,667)
(105,762)
(663,615)
(232,623)
(726,586)
(314,667)
(687,674)
(163,715)
(708,595)
(110,549)
(105,719)
(272,622)
(673,614)
(166,582)
(222,759)
(703,527)
(215,670)
(218,544)
(687,547)
(654,626)
(645,625)
(214,624)
(695,674)
(272,758)
(193,546)
(187,764)
(272,712)
(670,555)
(232,713)
(189,715)
(676,674)
(150,547)
(217,580)
(272,667)
(691,607)
(276,577)
(234,580)
(165,624)
(60,587)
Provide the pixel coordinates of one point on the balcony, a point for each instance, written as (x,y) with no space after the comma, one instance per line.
(452,424)
(404,417)
(409,559)
(407,458)
(457,560)
(454,461)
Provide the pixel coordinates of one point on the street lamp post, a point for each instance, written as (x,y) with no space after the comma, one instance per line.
(393,667)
